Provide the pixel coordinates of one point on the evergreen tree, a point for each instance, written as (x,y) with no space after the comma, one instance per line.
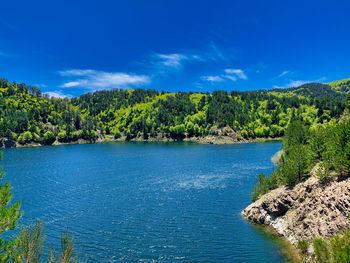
(9,215)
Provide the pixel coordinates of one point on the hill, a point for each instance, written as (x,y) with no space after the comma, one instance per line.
(27,116)
(341,85)
(306,198)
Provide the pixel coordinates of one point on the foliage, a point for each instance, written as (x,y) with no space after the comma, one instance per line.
(303,245)
(28,246)
(9,215)
(304,146)
(335,249)
(263,185)
(27,116)
(341,85)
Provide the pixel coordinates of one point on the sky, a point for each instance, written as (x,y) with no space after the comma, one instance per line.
(67,48)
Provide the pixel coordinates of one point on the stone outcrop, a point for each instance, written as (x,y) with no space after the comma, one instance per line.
(4,143)
(311,209)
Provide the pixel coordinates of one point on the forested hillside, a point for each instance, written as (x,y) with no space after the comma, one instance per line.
(341,85)
(27,116)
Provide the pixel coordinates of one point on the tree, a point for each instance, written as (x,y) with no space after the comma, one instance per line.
(339,148)
(27,247)
(9,215)
(49,137)
(294,164)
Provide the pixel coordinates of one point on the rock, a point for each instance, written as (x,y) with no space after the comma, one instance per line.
(4,143)
(311,209)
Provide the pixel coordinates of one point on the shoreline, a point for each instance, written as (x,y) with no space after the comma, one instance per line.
(291,253)
(309,210)
(218,140)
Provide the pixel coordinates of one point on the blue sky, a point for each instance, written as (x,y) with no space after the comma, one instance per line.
(72,47)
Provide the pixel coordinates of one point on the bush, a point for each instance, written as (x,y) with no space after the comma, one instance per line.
(27,136)
(178,130)
(62,136)
(303,245)
(93,135)
(323,172)
(335,249)
(263,185)
(36,137)
(20,139)
(117,134)
(49,137)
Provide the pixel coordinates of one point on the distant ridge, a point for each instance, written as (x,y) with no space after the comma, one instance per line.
(341,85)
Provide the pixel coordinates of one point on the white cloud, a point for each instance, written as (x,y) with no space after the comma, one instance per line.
(230,74)
(238,72)
(77,72)
(212,78)
(196,57)
(171,60)
(98,80)
(174,60)
(57,94)
(72,84)
(233,78)
(283,73)
(297,83)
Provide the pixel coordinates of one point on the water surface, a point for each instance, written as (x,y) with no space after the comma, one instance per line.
(142,202)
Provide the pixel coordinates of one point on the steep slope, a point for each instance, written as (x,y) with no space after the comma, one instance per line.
(309,210)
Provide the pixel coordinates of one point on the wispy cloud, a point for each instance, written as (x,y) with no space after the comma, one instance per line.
(283,73)
(163,63)
(57,94)
(171,60)
(72,84)
(98,80)
(216,53)
(236,72)
(229,74)
(297,83)
(77,72)
(212,78)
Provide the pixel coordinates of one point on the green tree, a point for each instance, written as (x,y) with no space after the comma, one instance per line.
(340,147)
(9,215)
(49,137)
(294,164)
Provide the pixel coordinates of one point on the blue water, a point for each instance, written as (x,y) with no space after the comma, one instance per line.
(145,202)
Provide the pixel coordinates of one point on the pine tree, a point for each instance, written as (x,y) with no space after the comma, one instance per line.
(9,215)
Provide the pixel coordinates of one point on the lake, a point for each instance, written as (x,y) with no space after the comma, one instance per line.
(145,202)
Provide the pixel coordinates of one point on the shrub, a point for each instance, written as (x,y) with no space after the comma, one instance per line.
(303,245)
(62,136)
(117,134)
(49,137)
(27,136)
(263,185)
(335,249)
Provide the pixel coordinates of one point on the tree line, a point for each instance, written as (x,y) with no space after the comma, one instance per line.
(26,115)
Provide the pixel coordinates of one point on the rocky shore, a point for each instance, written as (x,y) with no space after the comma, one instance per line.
(309,210)
(211,139)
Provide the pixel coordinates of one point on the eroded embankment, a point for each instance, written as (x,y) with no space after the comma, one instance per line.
(311,209)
